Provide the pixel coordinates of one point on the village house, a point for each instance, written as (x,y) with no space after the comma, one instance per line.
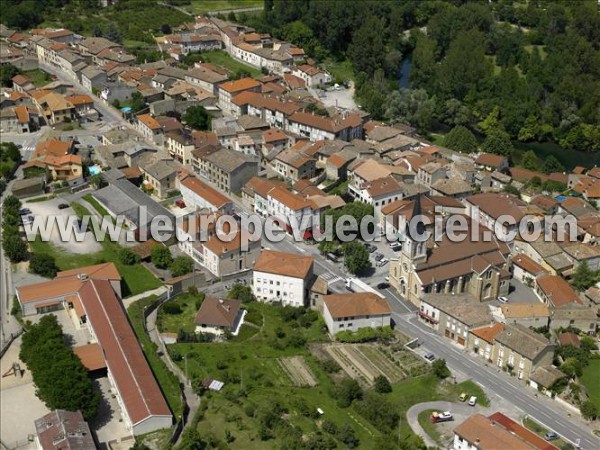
(219,315)
(554,291)
(283,277)
(453,316)
(196,192)
(255,193)
(227,169)
(353,311)
(63,429)
(222,257)
(160,177)
(206,76)
(347,126)
(497,431)
(526,269)
(56,159)
(227,91)
(286,207)
(481,340)
(54,106)
(534,315)
(543,378)
(582,317)
(294,165)
(491,162)
(520,350)
(312,76)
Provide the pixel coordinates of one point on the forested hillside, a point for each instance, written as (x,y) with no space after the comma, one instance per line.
(520,70)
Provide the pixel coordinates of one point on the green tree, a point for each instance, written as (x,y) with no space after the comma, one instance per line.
(551,165)
(382,385)
(181,265)
(367,49)
(347,391)
(138,102)
(98,181)
(584,277)
(498,142)
(440,369)
(161,257)
(197,117)
(356,257)
(61,380)
(241,292)
(461,140)
(15,248)
(43,264)
(412,106)
(530,129)
(530,161)
(128,257)
(589,410)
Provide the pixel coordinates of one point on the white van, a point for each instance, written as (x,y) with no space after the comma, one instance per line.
(473,401)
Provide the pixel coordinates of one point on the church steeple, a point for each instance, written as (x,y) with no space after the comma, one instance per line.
(414,246)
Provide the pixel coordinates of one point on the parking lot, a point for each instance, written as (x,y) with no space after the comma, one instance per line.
(81,243)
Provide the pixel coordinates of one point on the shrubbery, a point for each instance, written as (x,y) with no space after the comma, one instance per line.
(367,334)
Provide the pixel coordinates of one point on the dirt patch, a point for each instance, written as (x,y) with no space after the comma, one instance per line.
(365,362)
(296,368)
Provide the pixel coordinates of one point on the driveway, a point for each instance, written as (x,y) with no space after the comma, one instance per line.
(48,210)
(460,411)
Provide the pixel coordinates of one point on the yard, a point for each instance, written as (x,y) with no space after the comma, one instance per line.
(136,278)
(591,375)
(221,58)
(38,77)
(428,426)
(258,368)
(168,382)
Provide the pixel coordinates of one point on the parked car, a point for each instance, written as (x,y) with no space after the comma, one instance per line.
(24,211)
(437,417)
(383,262)
(429,356)
(395,244)
(371,248)
(383,285)
(551,436)
(473,400)
(63,206)
(462,397)
(180,203)
(503,299)
(378,256)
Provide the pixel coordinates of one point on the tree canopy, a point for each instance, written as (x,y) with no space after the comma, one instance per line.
(197,117)
(61,380)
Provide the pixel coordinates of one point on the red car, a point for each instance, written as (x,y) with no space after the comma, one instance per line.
(180,203)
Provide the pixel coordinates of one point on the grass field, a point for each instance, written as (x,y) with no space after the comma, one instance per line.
(220,58)
(590,379)
(204,6)
(428,426)
(255,381)
(172,323)
(97,206)
(166,379)
(38,77)
(136,279)
(340,71)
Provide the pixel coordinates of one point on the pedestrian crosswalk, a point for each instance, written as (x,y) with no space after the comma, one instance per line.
(331,278)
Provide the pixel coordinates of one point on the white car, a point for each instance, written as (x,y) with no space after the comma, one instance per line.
(503,299)
(473,401)
(383,262)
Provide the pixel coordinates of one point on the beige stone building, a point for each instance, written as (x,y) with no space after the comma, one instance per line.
(475,267)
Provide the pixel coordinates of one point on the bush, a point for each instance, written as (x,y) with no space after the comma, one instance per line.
(382,385)
(43,264)
(346,392)
(181,265)
(128,257)
(172,308)
(384,334)
(161,257)
(440,369)
(241,292)
(330,366)
(589,410)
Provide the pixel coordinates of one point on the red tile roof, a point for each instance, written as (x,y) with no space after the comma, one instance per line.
(130,371)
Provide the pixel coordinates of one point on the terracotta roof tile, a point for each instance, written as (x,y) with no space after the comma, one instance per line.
(280,263)
(356,304)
